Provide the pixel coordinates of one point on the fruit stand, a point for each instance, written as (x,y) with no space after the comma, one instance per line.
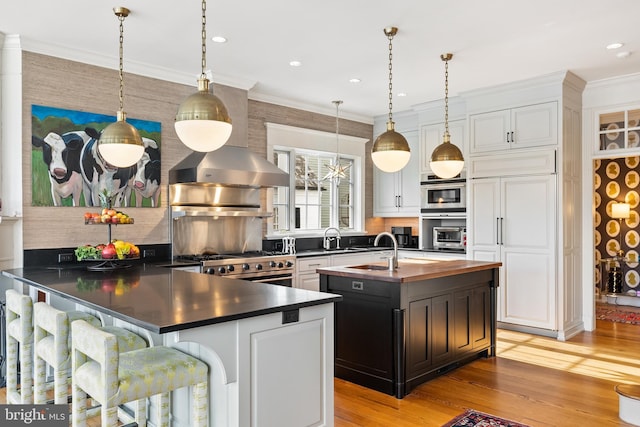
(110,256)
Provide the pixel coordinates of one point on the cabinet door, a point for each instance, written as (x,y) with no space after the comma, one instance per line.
(310,281)
(442,329)
(419,355)
(350,259)
(398,194)
(480,315)
(409,184)
(431,137)
(527,292)
(534,125)
(488,131)
(484,221)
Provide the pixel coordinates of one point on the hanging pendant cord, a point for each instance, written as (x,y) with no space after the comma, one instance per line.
(121,67)
(390,77)
(204,38)
(446,97)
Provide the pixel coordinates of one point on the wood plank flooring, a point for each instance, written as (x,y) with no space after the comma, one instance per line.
(533,380)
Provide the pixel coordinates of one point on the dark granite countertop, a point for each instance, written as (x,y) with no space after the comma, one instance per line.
(164,299)
(409,270)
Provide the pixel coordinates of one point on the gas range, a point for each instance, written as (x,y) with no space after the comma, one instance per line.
(254,266)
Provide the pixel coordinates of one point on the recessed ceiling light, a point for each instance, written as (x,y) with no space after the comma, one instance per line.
(402,94)
(219,39)
(295,63)
(354,80)
(616,45)
(623,55)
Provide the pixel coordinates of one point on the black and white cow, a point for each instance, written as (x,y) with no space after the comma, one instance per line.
(98,175)
(61,154)
(146,182)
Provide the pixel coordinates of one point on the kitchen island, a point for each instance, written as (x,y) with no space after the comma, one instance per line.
(269,348)
(395,329)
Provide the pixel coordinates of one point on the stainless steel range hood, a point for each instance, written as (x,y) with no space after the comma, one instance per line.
(229,165)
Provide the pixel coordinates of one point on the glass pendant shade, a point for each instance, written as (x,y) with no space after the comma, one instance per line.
(446,160)
(390,151)
(120,144)
(202,122)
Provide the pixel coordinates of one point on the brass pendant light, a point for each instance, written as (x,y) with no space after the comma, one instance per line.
(391,150)
(202,121)
(446,160)
(120,143)
(337,171)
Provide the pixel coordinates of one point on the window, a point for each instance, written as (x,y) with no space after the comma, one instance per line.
(318,203)
(312,203)
(619,130)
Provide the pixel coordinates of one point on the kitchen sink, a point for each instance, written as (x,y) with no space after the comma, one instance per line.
(369,267)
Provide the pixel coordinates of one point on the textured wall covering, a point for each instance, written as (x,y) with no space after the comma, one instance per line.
(617,180)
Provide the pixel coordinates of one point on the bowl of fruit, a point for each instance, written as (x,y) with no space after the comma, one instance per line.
(109,254)
(107,216)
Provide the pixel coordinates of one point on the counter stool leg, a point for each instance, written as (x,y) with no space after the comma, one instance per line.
(200,405)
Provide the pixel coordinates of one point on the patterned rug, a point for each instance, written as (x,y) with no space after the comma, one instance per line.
(620,314)
(473,418)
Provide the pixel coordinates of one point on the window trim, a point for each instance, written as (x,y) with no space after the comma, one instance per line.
(290,137)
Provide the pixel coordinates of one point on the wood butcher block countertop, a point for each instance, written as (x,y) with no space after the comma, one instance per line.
(409,270)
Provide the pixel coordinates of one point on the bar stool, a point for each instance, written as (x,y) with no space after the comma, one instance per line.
(19,335)
(112,378)
(52,346)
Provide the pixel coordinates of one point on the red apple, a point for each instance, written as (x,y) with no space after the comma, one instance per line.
(109,251)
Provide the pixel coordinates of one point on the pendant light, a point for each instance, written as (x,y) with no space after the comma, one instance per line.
(446,160)
(202,122)
(337,171)
(391,150)
(120,143)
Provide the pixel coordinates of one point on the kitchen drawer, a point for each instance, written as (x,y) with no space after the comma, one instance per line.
(310,264)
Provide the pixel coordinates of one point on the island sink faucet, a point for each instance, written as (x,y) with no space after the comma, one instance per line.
(326,242)
(393,262)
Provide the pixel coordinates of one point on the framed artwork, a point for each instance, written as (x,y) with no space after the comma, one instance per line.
(66,169)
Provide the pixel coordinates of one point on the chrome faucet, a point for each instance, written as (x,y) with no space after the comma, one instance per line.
(394,258)
(326,242)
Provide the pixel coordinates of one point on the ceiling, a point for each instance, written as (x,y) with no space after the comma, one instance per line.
(493,42)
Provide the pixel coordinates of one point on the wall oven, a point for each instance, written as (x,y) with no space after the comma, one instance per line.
(438,195)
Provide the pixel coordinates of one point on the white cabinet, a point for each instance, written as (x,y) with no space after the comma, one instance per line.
(306,276)
(351,259)
(527,126)
(431,137)
(440,256)
(514,221)
(398,193)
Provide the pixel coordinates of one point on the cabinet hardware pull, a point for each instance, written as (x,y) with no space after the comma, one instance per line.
(501,230)
(512,138)
(399,201)
(508,137)
(497,231)
(314,265)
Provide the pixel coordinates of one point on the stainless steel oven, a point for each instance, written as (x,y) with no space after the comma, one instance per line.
(275,269)
(443,194)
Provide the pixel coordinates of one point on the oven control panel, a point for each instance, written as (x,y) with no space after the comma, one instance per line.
(249,268)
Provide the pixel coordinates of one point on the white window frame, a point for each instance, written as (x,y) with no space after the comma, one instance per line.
(282,137)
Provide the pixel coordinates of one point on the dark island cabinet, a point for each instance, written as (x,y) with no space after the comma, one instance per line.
(392,337)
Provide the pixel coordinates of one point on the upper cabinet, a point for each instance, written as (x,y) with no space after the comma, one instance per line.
(526,126)
(398,194)
(431,137)
(618,131)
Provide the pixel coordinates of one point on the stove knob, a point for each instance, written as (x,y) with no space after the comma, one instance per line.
(222,270)
(210,270)
(280,265)
(272,264)
(258,266)
(245,266)
(230,268)
(289,264)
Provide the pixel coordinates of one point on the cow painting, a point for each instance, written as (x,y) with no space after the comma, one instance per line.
(61,154)
(68,170)
(146,182)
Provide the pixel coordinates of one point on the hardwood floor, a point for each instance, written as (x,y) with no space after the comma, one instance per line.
(533,380)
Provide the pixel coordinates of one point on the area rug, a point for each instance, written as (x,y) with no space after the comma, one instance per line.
(618,314)
(473,418)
